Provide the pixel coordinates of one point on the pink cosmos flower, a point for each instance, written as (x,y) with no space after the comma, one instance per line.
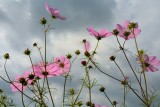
(98,34)
(54,12)
(129,30)
(97,105)
(61,65)
(150,62)
(20,83)
(41,72)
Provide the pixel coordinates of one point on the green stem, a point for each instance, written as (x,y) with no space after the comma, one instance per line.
(143,69)
(16,86)
(119,81)
(64,88)
(37,83)
(131,66)
(124,97)
(40,53)
(119,69)
(80,90)
(22,97)
(89,84)
(49,91)
(108,98)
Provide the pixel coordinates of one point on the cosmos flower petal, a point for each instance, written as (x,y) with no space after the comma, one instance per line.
(87,46)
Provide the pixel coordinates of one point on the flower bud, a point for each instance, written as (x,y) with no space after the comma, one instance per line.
(84,41)
(34,44)
(69,56)
(43,21)
(112,58)
(102,89)
(141,52)
(77,52)
(90,67)
(115,32)
(126,33)
(72,91)
(6,56)
(83,63)
(79,103)
(87,54)
(114,103)
(133,25)
(89,103)
(27,52)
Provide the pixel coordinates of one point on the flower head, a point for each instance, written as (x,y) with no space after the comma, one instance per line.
(42,72)
(98,34)
(20,83)
(150,63)
(30,76)
(54,12)
(61,65)
(129,30)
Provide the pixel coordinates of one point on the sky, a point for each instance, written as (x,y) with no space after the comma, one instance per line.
(20,28)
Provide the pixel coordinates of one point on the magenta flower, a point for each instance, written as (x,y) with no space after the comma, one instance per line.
(97,105)
(20,83)
(41,72)
(54,12)
(61,65)
(129,30)
(99,34)
(150,62)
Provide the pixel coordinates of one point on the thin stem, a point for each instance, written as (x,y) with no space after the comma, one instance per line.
(108,98)
(64,88)
(37,82)
(22,97)
(3,103)
(89,84)
(143,67)
(124,96)
(119,81)
(40,53)
(80,90)
(65,81)
(49,91)
(16,86)
(94,52)
(119,69)
(130,66)
(104,72)
(6,70)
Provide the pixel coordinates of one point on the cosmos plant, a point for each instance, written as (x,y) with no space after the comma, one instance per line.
(36,79)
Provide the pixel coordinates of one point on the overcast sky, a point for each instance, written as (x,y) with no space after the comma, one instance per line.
(20,28)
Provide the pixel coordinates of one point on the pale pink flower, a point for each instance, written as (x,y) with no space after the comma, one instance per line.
(54,12)
(97,105)
(87,46)
(61,65)
(98,34)
(129,30)
(41,72)
(20,83)
(150,63)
